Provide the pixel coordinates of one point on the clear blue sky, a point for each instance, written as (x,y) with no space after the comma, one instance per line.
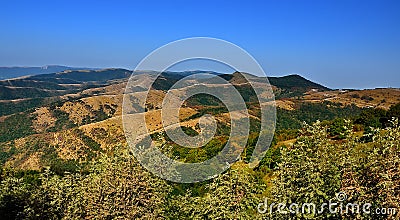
(340,43)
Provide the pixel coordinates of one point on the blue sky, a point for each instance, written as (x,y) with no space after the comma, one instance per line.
(341,43)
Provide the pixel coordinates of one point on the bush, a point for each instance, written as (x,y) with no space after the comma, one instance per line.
(367,98)
(232,195)
(316,168)
(356,96)
(339,128)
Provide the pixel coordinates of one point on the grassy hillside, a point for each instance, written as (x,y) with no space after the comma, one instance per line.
(13,72)
(66,156)
(98,110)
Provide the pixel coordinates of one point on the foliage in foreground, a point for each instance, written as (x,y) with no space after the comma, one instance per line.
(232,195)
(317,168)
(117,186)
(314,169)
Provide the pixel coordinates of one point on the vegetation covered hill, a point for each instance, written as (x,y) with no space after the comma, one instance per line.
(64,155)
(14,72)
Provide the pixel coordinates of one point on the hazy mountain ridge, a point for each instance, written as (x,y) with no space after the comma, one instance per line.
(44,85)
(33,91)
(55,84)
(13,72)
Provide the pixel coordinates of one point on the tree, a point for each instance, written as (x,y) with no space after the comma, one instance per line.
(316,168)
(339,128)
(115,187)
(232,195)
(309,172)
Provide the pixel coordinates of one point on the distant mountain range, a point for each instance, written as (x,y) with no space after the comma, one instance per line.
(72,80)
(68,118)
(21,93)
(13,72)
(77,113)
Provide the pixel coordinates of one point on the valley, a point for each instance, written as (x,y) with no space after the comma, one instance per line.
(71,122)
(87,111)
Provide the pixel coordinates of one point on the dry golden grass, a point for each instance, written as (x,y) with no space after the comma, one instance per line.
(155,98)
(113,89)
(44,119)
(68,145)
(32,162)
(96,102)
(108,133)
(381,98)
(287,143)
(26,158)
(154,120)
(77,111)
(285,104)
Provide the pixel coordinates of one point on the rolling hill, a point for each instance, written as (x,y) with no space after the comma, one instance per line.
(13,72)
(74,115)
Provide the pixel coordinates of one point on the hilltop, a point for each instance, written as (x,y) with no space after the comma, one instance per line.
(74,115)
(14,72)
